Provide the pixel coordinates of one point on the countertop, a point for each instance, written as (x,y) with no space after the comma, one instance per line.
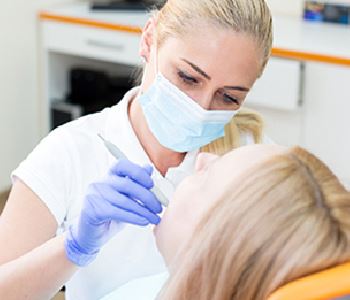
(293,38)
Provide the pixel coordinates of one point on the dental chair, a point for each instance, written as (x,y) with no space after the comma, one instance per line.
(332,283)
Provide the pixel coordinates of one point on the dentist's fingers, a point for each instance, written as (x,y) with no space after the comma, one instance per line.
(119,215)
(126,168)
(108,193)
(148,169)
(133,190)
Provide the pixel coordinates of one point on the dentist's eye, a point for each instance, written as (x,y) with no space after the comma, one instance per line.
(186,78)
(230,100)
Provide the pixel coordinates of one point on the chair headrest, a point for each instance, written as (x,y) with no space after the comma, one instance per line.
(324,285)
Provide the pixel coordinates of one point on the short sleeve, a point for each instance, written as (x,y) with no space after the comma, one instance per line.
(47,171)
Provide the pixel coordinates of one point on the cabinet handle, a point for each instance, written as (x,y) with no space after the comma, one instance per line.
(302,84)
(106,45)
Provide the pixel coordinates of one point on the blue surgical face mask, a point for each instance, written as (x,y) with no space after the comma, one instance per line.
(177,121)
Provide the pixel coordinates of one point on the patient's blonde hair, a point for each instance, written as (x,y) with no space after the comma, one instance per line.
(286,218)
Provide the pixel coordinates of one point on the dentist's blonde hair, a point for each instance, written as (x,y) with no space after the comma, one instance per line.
(246,122)
(251,17)
(286,218)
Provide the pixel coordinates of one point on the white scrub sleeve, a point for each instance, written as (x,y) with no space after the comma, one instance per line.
(47,171)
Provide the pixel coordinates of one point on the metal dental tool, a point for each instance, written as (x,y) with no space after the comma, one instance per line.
(118,154)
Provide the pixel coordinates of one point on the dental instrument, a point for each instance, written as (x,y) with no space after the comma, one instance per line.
(118,154)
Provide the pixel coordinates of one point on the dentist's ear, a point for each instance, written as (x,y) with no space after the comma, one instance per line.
(204,160)
(147,39)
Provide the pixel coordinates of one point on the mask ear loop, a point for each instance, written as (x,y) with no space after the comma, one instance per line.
(144,60)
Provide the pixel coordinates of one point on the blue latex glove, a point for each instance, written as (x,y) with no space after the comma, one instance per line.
(123,197)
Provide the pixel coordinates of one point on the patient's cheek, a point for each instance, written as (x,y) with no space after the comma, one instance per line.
(180,218)
(171,233)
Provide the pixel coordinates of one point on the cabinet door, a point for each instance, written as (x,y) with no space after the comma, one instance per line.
(106,45)
(276,95)
(327,116)
(279,87)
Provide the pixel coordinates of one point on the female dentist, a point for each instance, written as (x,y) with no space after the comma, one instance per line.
(70,197)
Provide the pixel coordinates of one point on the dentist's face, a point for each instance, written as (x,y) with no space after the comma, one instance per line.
(195,196)
(214,66)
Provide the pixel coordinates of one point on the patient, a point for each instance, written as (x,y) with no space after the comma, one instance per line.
(249,222)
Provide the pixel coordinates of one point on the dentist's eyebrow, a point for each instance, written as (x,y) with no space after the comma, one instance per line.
(197,69)
(237,88)
(204,74)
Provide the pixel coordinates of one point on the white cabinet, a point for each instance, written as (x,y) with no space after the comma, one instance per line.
(326,121)
(278,96)
(279,87)
(321,122)
(65,46)
(106,45)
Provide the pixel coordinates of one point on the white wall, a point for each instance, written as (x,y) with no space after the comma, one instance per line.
(286,7)
(19,104)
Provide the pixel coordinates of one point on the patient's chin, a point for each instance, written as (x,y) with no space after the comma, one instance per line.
(155,230)
(162,248)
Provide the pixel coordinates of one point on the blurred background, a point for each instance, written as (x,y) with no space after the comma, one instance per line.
(44,76)
(62,59)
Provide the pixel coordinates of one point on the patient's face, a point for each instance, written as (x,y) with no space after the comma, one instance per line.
(197,193)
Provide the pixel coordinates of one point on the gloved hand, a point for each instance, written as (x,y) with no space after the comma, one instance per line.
(123,197)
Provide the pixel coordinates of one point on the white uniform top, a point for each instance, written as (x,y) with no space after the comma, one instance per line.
(59,171)
(145,288)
